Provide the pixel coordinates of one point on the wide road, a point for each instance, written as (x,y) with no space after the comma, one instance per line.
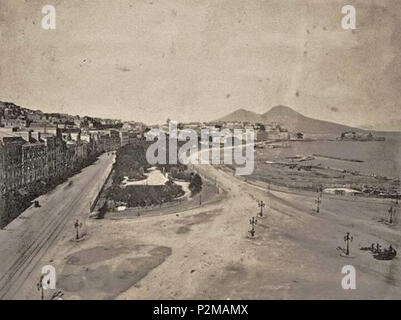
(205,253)
(24,242)
(293,255)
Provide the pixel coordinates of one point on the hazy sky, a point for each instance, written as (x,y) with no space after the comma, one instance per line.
(199,60)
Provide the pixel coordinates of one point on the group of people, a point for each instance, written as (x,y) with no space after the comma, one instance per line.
(383,253)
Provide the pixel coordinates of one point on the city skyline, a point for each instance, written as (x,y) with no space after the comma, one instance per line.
(198,61)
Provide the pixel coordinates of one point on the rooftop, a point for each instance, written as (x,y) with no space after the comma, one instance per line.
(6,134)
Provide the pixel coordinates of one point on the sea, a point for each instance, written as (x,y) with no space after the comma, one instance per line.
(381,158)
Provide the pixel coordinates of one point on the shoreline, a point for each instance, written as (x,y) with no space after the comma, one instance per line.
(288,187)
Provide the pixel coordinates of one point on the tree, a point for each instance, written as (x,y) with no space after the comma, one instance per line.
(196,184)
(300,135)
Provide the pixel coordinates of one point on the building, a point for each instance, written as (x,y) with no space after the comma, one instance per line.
(43,127)
(108,140)
(90,141)
(56,162)
(78,149)
(136,135)
(10,162)
(20,122)
(278,135)
(10,173)
(124,138)
(34,115)
(43,157)
(359,136)
(39,149)
(33,162)
(261,135)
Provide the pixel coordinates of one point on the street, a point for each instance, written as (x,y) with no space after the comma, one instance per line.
(25,241)
(206,252)
(293,255)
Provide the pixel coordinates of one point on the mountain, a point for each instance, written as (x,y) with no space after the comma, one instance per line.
(242,115)
(294,121)
(290,119)
(392,125)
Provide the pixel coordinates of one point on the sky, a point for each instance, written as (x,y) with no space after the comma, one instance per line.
(198,60)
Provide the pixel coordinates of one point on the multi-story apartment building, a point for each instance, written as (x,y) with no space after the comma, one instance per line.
(114,141)
(33,162)
(43,157)
(90,142)
(10,162)
(28,161)
(107,140)
(77,148)
(10,172)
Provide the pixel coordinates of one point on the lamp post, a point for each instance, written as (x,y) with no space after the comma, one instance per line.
(396,198)
(252,222)
(40,287)
(392,212)
(77,225)
(347,240)
(318,201)
(261,205)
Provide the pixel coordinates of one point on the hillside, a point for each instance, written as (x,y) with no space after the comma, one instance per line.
(242,115)
(295,121)
(292,120)
(392,125)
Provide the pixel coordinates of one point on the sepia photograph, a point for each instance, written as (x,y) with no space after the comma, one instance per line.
(222,151)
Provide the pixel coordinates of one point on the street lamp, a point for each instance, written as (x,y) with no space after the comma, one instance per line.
(77,225)
(347,240)
(39,285)
(392,211)
(253,222)
(318,201)
(261,205)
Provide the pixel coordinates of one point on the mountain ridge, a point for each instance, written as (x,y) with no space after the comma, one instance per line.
(290,119)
